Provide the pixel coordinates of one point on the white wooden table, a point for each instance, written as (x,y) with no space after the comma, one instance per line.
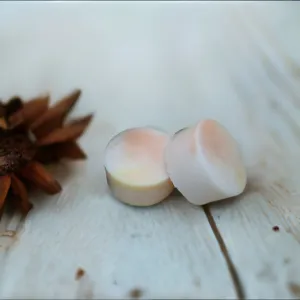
(169,65)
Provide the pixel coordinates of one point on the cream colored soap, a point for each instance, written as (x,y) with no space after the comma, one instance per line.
(135,167)
(204,163)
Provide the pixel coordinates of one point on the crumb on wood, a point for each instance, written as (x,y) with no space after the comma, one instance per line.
(136,293)
(294,289)
(9,233)
(275,228)
(79,273)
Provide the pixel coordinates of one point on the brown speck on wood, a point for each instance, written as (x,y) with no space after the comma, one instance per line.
(275,228)
(295,289)
(136,293)
(79,274)
(9,233)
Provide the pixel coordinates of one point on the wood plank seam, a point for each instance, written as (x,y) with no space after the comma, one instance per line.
(231,267)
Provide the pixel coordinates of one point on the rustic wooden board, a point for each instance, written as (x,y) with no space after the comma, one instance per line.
(267,260)
(166,64)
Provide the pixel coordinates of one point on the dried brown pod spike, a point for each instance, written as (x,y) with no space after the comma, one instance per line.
(70,150)
(56,152)
(19,190)
(3,123)
(69,132)
(14,104)
(30,111)
(36,173)
(55,115)
(5,182)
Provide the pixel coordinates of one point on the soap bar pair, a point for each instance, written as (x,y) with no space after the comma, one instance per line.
(143,165)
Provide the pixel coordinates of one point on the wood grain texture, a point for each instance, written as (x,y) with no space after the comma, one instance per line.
(266,258)
(168,65)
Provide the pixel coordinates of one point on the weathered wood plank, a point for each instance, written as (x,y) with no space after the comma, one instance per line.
(137,64)
(266,257)
(167,64)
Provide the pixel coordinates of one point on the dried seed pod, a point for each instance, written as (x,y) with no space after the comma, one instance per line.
(23,151)
(16,150)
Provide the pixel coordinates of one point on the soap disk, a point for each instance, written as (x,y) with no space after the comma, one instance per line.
(204,163)
(135,168)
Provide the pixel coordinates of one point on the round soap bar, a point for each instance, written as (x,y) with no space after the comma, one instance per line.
(204,163)
(135,168)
